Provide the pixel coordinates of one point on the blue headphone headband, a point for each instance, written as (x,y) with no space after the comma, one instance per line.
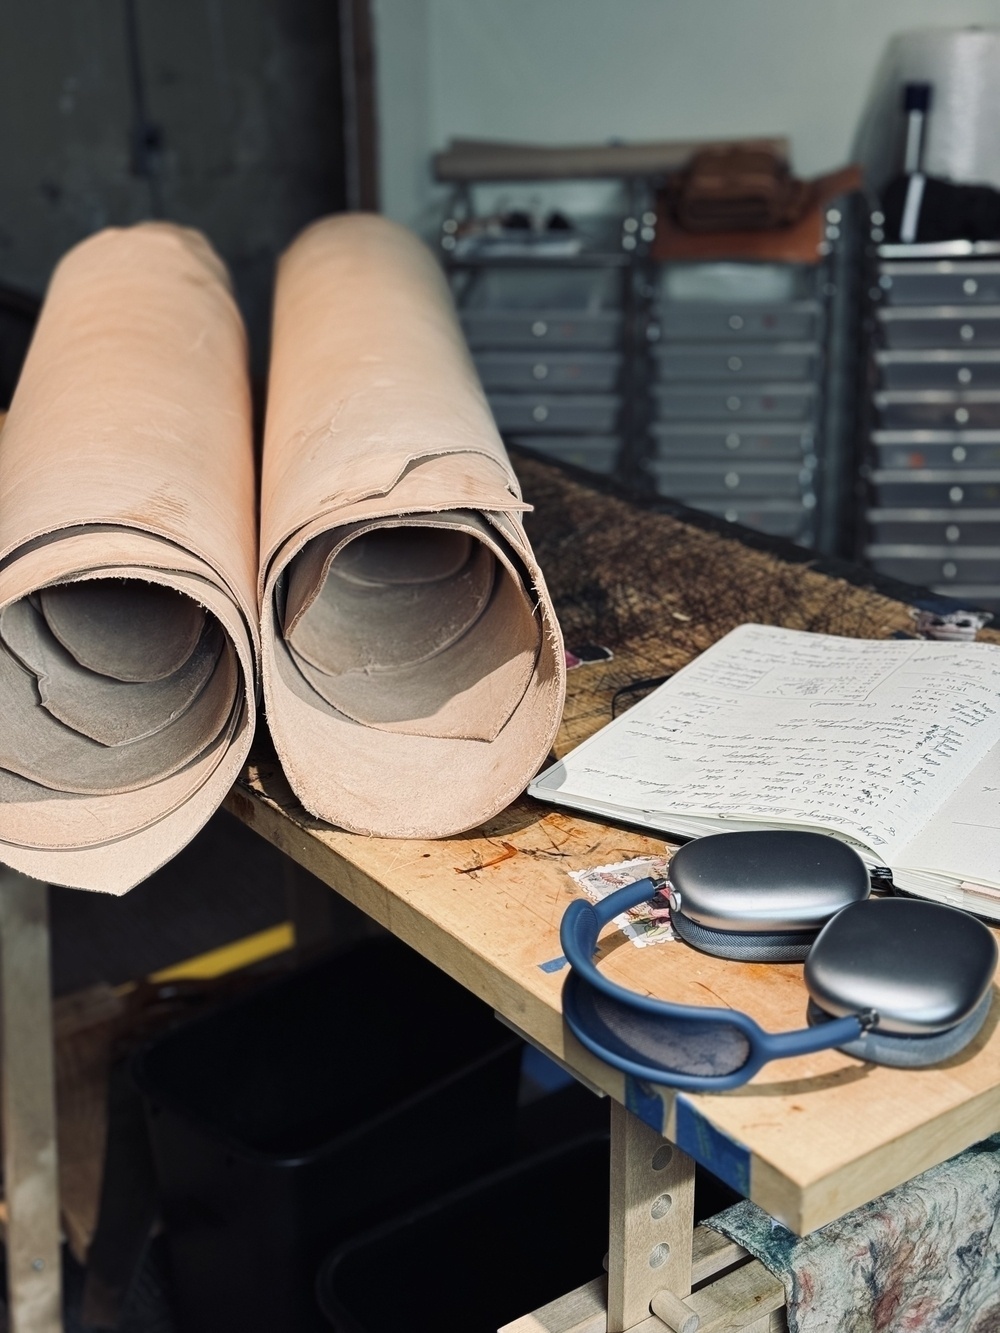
(895,980)
(683,1046)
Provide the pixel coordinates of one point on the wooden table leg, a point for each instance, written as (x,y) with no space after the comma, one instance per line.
(651,1229)
(27,1105)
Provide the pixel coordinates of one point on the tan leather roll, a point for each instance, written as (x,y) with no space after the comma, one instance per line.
(128,635)
(413,669)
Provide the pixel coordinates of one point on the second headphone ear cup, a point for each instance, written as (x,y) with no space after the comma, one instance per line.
(904,1051)
(744,946)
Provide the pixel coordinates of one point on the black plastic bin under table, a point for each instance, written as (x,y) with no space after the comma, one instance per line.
(321,1103)
(481,1255)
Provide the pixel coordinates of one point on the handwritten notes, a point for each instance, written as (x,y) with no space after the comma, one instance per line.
(865,738)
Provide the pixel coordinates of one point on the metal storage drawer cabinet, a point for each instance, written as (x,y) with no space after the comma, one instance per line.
(729,443)
(795,321)
(716,361)
(521,308)
(595,372)
(933,566)
(597,413)
(771,480)
(978,409)
(596,453)
(940,326)
(941,283)
(931,488)
(783,402)
(939,369)
(778,518)
(935,527)
(936,449)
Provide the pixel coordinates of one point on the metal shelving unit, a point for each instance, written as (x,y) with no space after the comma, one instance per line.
(933,465)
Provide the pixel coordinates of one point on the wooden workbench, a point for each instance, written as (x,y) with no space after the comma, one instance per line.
(808,1139)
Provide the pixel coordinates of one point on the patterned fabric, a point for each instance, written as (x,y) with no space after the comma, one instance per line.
(924,1257)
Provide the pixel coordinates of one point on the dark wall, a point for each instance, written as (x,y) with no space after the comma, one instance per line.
(221,114)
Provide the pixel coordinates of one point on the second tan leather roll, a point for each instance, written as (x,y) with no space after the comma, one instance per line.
(413,669)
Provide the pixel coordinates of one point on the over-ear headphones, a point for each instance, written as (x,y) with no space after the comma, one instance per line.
(897,981)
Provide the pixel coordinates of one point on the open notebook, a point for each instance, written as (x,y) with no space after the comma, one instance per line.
(893,746)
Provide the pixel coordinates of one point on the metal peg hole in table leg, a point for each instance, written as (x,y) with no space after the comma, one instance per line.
(662,1157)
(661,1206)
(659,1255)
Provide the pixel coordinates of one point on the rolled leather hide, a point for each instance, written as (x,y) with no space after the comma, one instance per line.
(413,669)
(128,634)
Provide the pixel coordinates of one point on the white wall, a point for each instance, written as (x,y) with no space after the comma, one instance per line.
(564,71)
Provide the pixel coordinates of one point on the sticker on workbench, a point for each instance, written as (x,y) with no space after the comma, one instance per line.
(645,1102)
(649,923)
(725,1157)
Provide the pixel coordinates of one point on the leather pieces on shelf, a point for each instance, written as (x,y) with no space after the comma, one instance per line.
(128,632)
(413,669)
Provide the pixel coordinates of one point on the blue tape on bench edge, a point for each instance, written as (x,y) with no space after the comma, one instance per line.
(725,1157)
(645,1102)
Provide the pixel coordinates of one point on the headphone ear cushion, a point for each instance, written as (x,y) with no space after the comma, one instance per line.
(743,946)
(904,1051)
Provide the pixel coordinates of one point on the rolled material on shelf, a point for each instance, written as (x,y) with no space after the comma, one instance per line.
(128,632)
(414,673)
(962,139)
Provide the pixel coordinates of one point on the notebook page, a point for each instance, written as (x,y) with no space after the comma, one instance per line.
(962,840)
(861,737)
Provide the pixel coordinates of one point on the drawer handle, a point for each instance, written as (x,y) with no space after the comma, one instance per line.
(949,569)
(733,403)
(956,495)
(970,286)
(735,363)
(732,480)
(735,321)
(965,375)
(540,413)
(733,441)
(539,328)
(967,333)
(540,371)
(958,453)
(953,532)
(961,415)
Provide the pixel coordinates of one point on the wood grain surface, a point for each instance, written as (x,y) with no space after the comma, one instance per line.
(811,1137)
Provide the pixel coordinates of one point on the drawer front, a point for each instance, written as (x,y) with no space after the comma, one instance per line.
(735,283)
(796,321)
(940,326)
(775,517)
(931,489)
(929,528)
(938,409)
(941,283)
(935,568)
(494,328)
(596,453)
(939,369)
(743,402)
(918,455)
(729,443)
(593,413)
(737,361)
(769,481)
(595,372)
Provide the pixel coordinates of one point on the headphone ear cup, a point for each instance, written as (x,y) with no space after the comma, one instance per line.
(904,1051)
(743,946)
(923,969)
